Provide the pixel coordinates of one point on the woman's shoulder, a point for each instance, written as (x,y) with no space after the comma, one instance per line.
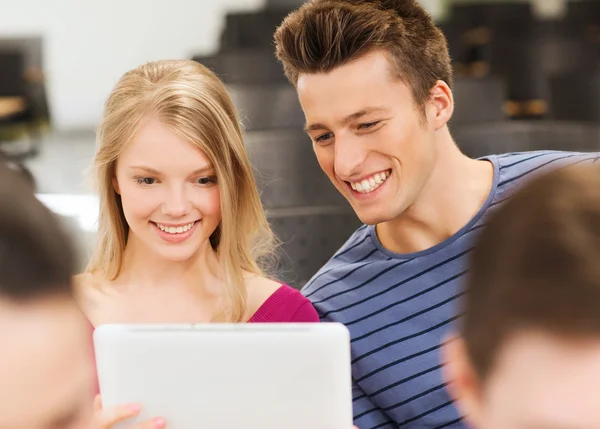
(274,301)
(87,290)
(260,289)
(86,283)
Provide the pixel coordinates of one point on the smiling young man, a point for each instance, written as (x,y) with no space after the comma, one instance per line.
(528,350)
(374,80)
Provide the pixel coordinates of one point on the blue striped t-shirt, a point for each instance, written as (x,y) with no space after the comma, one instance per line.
(398,307)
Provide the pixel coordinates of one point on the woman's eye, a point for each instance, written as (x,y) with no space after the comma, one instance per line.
(207,180)
(145,180)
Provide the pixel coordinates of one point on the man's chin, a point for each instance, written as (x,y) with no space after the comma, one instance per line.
(371,217)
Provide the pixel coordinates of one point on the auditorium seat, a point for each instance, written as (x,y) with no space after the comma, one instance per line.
(248,67)
(517,136)
(310,217)
(529,58)
(576,96)
(478,100)
(13,90)
(310,237)
(16,110)
(268,106)
(480,24)
(251,30)
(492,15)
(288,172)
(508,41)
(584,15)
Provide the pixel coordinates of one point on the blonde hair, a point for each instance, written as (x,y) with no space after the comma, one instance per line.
(194,103)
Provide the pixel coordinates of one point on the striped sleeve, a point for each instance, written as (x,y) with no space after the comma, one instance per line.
(367,415)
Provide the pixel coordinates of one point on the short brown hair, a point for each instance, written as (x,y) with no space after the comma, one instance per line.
(536,265)
(37,256)
(324,34)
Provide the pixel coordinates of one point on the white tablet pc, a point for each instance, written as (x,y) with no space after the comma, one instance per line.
(229,376)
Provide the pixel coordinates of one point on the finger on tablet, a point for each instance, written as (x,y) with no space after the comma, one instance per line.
(157,423)
(97,403)
(109,416)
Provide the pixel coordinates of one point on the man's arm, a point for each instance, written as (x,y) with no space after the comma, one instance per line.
(366,414)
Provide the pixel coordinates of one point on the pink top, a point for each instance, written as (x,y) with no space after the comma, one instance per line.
(286,304)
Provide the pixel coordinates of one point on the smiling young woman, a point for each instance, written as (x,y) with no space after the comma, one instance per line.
(182,232)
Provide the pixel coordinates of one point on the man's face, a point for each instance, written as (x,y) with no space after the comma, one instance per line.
(539,381)
(369,136)
(46,370)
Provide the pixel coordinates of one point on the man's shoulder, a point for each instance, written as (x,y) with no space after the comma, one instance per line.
(517,164)
(358,249)
(515,168)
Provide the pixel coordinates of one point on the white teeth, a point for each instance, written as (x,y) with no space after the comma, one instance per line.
(175,229)
(371,183)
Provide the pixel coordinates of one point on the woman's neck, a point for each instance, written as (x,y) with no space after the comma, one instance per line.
(142,268)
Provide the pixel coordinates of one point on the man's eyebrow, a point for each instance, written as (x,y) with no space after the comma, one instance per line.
(351,117)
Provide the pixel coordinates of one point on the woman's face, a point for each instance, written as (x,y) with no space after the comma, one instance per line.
(169,192)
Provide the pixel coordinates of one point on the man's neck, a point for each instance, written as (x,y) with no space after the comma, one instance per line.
(455,192)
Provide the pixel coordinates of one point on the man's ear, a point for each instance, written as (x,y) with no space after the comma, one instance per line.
(461,379)
(440,105)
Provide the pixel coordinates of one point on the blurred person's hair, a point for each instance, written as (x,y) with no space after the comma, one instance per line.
(19,167)
(191,100)
(323,35)
(37,258)
(536,266)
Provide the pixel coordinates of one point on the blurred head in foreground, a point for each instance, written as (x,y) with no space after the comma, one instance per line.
(528,351)
(46,377)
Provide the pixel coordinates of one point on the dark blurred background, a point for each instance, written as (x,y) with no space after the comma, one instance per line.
(527,78)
